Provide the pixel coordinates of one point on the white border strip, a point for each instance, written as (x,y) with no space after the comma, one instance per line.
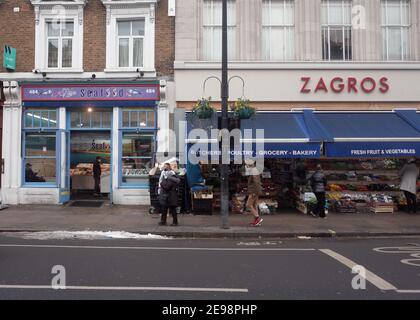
(370,276)
(243,290)
(375,139)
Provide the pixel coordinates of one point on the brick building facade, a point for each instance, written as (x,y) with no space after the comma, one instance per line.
(107,61)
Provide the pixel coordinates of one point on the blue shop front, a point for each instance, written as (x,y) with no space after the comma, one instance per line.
(61,128)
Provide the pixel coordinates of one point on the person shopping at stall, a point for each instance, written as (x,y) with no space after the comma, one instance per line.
(409,174)
(97,176)
(254,191)
(168,197)
(318,184)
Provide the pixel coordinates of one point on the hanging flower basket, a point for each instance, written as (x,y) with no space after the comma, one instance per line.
(242,109)
(203,109)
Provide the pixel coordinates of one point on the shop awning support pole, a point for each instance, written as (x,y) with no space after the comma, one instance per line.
(224,194)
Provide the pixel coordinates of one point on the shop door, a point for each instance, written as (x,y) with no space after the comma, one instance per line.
(65,167)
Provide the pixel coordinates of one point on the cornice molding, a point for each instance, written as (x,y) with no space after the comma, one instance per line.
(50,5)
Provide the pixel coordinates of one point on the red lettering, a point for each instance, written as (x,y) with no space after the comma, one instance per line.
(305,85)
(340,86)
(351,83)
(384,85)
(321,86)
(363,85)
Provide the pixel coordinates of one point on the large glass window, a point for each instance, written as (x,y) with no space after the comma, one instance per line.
(395,17)
(36,118)
(278,26)
(91,119)
(336,30)
(130,43)
(60,36)
(212,30)
(40,157)
(138,118)
(137,155)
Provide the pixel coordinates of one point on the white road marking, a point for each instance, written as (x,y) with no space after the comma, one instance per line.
(370,276)
(152,248)
(243,290)
(408,291)
(413,251)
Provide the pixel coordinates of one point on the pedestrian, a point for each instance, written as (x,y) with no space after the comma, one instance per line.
(254,191)
(318,184)
(97,176)
(168,197)
(408,175)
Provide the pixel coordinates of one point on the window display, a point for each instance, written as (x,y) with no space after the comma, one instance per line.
(137,155)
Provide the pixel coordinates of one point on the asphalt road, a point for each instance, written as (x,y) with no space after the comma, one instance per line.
(178,269)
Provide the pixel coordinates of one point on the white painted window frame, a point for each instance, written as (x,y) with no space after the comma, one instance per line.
(212,26)
(344,28)
(290,27)
(130,10)
(47,11)
(131,39)
(60,38)
(403,27)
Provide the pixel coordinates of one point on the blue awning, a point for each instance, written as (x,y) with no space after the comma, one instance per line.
(284,135)
(371,134)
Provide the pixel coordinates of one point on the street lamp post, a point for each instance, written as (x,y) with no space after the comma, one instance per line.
(224,196)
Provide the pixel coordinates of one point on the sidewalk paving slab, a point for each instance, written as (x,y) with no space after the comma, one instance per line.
(137,219)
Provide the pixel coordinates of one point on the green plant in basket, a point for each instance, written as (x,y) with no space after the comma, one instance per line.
(242,109)
(203,109)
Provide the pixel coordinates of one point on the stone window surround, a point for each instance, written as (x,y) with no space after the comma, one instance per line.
(130,10)
(51,10)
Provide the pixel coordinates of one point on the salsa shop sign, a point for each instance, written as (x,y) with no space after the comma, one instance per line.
(80,92)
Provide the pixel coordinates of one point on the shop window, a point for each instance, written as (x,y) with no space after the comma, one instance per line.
(138,118)
(278,27)
(212,30)
(395,24)
(336,29)
(40,157)
(91,120)
(34,118)
(137,157)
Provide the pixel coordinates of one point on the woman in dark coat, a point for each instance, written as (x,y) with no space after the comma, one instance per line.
(168,198)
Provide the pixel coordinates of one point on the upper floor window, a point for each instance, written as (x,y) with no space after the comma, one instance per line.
(130,43)
(212,30)
(278,26)
(59,36)
(130,35)
(336,30)
(395,23)
(60,44)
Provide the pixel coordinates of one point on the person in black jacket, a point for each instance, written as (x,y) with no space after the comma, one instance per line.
(168,198)
(97,176)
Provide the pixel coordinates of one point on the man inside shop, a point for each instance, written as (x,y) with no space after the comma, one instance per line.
(97,176)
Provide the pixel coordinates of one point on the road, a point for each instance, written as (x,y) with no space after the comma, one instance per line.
(209,269)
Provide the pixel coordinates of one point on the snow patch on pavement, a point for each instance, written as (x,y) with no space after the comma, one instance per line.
(86,235)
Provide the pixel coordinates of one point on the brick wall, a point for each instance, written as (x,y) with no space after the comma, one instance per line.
(17,30)
(164,40)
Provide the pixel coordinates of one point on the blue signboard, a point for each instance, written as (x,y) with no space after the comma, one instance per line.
(372,149)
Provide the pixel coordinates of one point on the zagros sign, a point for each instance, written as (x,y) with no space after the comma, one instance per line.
(344,85)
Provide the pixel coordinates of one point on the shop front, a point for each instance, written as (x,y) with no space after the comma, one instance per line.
(65,127)
(360,152)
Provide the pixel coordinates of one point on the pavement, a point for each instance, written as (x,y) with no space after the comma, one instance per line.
(137,219)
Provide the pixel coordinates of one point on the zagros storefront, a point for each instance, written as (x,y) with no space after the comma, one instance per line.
(361,122)
(57,130)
